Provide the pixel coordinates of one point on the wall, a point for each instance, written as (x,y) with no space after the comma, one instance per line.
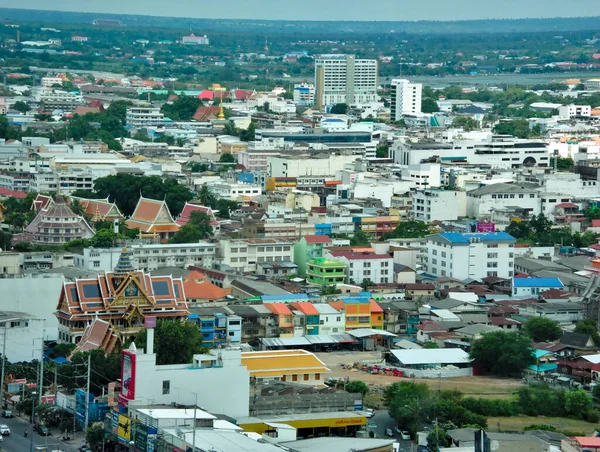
(445,373)
(23,343)
(220,389)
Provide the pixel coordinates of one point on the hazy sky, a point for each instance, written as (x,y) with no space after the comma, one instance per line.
(328,9)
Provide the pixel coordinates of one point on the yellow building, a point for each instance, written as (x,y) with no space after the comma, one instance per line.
(280,183)
(296,366)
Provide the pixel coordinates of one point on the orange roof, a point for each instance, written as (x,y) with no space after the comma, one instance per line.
(164,228)
(375,308)
(339,304)
(278,308)
(194,275)
(305,307)
(203,290)
(332,182)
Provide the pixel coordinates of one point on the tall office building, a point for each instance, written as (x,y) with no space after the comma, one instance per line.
(406,98)
(344,79)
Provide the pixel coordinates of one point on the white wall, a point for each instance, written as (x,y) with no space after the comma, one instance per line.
(223,390)
(24,339)
(442,205)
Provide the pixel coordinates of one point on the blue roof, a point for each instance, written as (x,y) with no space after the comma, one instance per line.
(539,353)
(543,367)
(459,237)
(60,360)
(537,282)
(355,300)
(292,296)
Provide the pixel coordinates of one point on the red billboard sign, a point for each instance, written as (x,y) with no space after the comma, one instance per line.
(128,374)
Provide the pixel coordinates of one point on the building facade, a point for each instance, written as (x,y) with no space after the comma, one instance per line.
(405,98)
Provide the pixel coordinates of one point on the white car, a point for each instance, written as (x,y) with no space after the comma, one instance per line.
(4,430)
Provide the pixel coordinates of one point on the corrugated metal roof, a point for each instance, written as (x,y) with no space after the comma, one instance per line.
(432,356)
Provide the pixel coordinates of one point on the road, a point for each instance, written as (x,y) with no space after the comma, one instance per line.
(16,442)
(384,421)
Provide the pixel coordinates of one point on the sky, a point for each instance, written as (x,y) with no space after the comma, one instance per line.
(327,10)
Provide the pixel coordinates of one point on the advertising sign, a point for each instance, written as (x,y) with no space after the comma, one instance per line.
(150,321)
(128,375)
(124,432)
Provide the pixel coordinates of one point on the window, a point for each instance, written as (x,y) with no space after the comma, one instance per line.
(492,255)
(166,387)
(317,376)
(294,377)
(305,377)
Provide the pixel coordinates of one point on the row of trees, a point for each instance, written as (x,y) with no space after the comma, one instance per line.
(539,231)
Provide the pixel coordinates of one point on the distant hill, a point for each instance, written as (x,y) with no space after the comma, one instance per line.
(274,27)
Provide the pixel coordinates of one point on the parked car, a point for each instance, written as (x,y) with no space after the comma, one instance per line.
(7,413)
(4,430)
(370,412)
(389,432)
(42,430)
(404,434)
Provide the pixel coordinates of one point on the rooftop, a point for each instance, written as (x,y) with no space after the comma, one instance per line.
(432,356)
(537,282)
(466,238)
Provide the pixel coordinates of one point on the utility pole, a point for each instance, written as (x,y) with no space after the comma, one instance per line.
(87,393)
(194,425)
(41,373)
(3,366)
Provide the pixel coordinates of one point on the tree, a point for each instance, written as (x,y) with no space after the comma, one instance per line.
(227,158)
(182,109)
(63,349)
(542,329)
(330,290)
(382,151)
(360,238)
(175,342)
(577,403)
(431,344)
(249,134)
(366,283)
(429,105)
(518,128)
(104,238)
(206,197)
(502,353)
(562,164)
(466,123)
(408,230)
(588,326)
(21,106)
(197,228)
(357,387)
(339,109)
(94,435)
(437,438)
(230,129)
(518,229)
(408,403)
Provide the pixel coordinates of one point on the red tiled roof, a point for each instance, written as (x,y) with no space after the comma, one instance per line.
(278,308)
(203,290)
(317,239)
(431,326)
(5,193)
(186,213)
(206,113)
(375,308)
(83,110)
(555,294)
(194,274)
(567,205)
(243,94)
(305,307)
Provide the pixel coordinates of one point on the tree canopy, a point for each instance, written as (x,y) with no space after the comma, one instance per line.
(197,228)
(502,353)
(339,109)
(175,342)
(409,230)
(182,109)
(542,329)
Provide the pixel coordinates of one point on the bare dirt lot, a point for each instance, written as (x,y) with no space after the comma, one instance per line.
(486,387)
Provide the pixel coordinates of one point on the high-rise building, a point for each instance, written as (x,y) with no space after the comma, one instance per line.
(406,98)
(344,79)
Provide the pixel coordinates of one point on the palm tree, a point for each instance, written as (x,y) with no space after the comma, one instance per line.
(206,197)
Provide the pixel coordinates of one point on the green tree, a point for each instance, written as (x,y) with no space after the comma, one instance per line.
(431,344)
(577,403)
(588,326)
(227,158)
(63,349)
(518,229)
(197,228)
(225,206)
(94,435)
(466,123)
(366,283)
(248,134)
(104,238)
(562,164)
(382,151)
(408,403)
(182,109)
(518,128)
(360,238)
(175,342)
(438,438)
(21,106)
(429,105)
(339,109)
(330,290)
(230,129)
(357,387)
(408,230)
(206,197)
(542,329)
(502,353)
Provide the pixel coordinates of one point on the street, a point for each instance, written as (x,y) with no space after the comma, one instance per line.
(16,442)
(384,421)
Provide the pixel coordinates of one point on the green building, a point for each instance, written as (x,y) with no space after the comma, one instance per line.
(325,272)
(307,248)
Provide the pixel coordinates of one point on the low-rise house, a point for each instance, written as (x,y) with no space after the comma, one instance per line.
(308,248)
(198,289)
(433,363)
(296,366)
(366,265)
(533,286)
(476,331)
(323,271)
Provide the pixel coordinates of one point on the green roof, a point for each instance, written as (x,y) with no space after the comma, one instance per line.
(324,262)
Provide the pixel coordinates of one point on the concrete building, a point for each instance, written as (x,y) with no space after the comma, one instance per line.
(424,175)
(304,93)
(149,257)
(405,98)
(574,111)
(202,381)
(22,336)
(344,79)
(234,190)
(470,255)
(296,366)
(441,205)
(332,321)
(491,201)
(60,100)
(193,40)
(303,165)
(361,266)
(326,272)
(243,255)
(142,117)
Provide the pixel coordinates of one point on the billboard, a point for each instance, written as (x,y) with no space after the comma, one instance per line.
(124,429)
(128,375)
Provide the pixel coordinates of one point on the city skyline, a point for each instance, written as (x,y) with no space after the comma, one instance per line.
(353,10)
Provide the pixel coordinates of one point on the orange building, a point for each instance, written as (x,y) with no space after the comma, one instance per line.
(283,317)
(153,217)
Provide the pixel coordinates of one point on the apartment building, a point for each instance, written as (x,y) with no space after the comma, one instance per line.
(325,272)
(405,98)
(243,255)
(331,320)
(574,111)
(304,93)
(193,40)
(470,255)
(344,79)
(423,175)
(234,190)
(256,159)
(491,201)
(60,100)
(435,204)
(142,117)
(365,265)
(149,257)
